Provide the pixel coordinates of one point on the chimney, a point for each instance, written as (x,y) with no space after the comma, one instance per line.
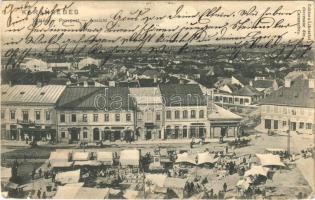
(287,83)
(311,83)
(10,83)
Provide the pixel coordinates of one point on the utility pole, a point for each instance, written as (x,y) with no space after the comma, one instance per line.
(289,129)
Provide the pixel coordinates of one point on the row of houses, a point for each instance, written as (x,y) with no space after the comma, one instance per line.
(233,92)
(71,114)
(51,64)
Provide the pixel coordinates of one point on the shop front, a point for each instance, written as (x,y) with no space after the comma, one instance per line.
(74,134)
(224,129)
(193,130)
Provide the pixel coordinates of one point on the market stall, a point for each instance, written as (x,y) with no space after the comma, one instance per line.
(205,158)
(105,157)
(270,160)
(81,156)
(68,177)
(79,192)
(130,158)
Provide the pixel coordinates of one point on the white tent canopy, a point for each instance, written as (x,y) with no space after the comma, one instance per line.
(205,157)
(130,157)
(68,177)
(156,179)
(81,156)
(87,163)
(59,156)
(269,160)
(257,170)
(79,192)
(185,158)
(61,163)
(105,157)
(6,173)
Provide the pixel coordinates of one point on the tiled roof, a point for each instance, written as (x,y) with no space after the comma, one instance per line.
(93,98)
(247,91)
(299,94)
(218,113)
(233,87)
(182,95)
(262,83)
(30,94)
(148,95)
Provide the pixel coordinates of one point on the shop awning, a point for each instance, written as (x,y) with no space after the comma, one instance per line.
(81,156)
(68,177)
(269,160)
(130,157)
(105,157)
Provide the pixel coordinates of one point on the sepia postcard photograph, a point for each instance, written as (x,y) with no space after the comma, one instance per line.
(104,99)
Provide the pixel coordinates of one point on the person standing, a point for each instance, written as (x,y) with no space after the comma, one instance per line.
(224,187)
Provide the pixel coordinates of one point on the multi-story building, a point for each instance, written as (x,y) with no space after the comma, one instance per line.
(291,107)
(150,112)
(244,96)
(29,111)
(185,111)
(94,114)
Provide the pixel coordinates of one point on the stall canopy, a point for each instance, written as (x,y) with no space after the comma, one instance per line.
(269,160)
(156,179)
(105,157)
(59,156)
(68,177)
(87,163)
(130,157)
(186,158)
(81,156)
(79,192)
(59,164)
(257,170)
(205,157)
(243,184)
(60,159)
(6,173)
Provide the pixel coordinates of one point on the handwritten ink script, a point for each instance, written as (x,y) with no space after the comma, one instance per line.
(37,28)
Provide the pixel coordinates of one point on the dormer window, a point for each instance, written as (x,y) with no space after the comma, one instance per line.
(42,93)
(22,93)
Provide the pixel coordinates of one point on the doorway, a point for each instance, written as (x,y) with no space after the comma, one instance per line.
(96,134)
